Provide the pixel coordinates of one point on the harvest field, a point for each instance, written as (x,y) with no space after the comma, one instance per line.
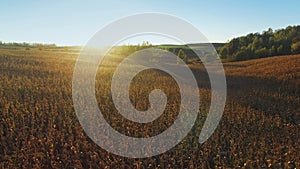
(260,127)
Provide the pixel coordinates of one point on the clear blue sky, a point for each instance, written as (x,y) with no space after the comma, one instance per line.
(74,22)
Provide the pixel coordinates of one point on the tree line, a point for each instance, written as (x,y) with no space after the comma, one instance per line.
(25,44)
(258,45)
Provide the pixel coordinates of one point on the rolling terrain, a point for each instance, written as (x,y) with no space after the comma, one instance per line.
(260,126)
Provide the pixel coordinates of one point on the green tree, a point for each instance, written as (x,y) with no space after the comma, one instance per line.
(273,51)
(263,52)
(241,55)
(280,50)
(182,55)
(295,48)
(257,43)
(223,53)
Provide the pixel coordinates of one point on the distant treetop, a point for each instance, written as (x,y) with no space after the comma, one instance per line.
(258,45)
(25,44)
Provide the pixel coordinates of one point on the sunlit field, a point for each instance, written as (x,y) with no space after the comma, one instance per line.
(260,126)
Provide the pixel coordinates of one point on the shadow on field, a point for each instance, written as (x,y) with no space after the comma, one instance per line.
(269,96)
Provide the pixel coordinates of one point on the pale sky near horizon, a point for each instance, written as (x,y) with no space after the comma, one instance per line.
(74,23)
